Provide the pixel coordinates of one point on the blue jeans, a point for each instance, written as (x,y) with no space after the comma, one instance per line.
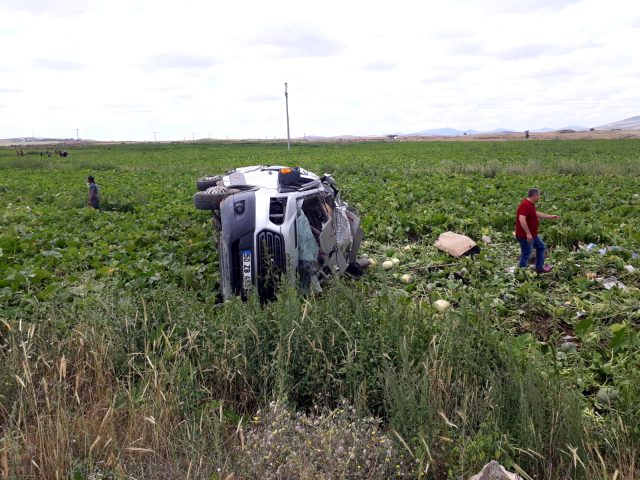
(527,247)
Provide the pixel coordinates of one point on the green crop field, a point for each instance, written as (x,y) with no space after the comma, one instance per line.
(116,362)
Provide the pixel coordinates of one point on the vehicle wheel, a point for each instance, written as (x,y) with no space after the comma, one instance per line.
(211,198)
(207,182)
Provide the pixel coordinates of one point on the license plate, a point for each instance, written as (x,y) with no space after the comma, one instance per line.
(246,269)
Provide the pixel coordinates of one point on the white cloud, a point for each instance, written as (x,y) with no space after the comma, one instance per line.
(48,7)
(532,50)
(57,64)
(379,66)
(293,41)
(526,6)
(178,61)
(265,97)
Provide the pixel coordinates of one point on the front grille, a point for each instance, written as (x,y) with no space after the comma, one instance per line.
(271,263)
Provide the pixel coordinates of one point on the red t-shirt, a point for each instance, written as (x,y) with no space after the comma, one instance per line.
(528,209)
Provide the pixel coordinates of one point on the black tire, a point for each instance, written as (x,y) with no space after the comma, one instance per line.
(209,201)
(207,182)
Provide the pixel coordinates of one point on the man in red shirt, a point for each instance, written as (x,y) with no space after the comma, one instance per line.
(527,221)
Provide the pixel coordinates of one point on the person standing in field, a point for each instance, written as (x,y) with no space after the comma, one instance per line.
(527,221)
(93,198)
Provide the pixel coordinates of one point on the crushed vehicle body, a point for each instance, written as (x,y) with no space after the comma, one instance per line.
(276,222)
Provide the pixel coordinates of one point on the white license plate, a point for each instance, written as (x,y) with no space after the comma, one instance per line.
(246,269)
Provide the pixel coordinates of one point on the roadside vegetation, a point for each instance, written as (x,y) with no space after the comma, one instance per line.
(116,363)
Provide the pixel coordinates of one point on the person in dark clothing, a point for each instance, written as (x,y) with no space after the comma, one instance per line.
(93,198)
(527,221)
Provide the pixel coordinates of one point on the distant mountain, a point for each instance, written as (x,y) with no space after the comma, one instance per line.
(454,132)
(632,123)
(577,128)
(500,130)
(437,132)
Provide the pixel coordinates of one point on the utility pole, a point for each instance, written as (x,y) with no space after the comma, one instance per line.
(154,136)
(286,99)
(77,136)
(193,137)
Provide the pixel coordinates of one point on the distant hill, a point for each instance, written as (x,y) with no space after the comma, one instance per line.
(577,128)
(499,130)
(436,132)
(632,123)
(453,132)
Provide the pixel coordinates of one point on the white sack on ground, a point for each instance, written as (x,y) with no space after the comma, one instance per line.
(456,244)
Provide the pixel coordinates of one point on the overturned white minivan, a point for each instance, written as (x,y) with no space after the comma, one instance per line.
(275,222)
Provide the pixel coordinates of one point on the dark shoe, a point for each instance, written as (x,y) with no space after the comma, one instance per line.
(545,269)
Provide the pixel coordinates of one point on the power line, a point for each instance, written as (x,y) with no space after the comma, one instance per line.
(286,99)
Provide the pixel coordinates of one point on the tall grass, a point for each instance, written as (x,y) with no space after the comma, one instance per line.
(166,387)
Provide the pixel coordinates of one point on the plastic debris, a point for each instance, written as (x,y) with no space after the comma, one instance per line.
(611,282)
(629,268)
(486,239)
(605,249)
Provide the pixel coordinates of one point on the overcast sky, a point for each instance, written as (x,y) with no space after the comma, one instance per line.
(123,69)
